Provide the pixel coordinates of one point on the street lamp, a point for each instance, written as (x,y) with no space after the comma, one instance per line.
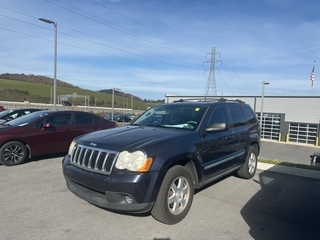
(112,102)
(262,98)
(55,59)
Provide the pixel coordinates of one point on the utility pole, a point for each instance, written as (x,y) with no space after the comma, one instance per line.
(211,89)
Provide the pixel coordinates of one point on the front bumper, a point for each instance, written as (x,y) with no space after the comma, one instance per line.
(127,192)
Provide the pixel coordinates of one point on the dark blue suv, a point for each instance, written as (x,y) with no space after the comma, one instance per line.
(155,163)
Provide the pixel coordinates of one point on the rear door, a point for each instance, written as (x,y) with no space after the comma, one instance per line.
(240,130)
(85,123)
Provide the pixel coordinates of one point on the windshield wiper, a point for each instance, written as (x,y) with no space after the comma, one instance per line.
(156,125)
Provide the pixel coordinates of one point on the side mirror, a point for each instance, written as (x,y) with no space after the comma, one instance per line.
(46,125)
(216,127)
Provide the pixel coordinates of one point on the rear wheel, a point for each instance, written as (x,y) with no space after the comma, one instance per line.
(13,153)
(175,196)
(250,166)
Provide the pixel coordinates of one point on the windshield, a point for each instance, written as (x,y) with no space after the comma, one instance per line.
(21,121)
(172,116)
(5,113)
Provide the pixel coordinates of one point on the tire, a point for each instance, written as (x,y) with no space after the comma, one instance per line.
(175,196)
(249,168)
(13,153)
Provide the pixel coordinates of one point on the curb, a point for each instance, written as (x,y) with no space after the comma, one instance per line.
(289,170)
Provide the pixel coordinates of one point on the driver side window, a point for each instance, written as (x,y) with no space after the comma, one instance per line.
(219,115)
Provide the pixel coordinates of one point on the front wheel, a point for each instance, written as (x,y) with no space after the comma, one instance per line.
(175,196)
(250,166)
(13,153)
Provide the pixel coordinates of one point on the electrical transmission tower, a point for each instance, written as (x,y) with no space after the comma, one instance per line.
(211,89)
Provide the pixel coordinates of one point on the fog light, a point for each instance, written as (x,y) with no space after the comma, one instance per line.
(129,199)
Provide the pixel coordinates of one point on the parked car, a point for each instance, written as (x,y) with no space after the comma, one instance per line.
(10,114)
(2,108)
(45,132)
(315,159)
(126,117)
(108,116)
(155,163)
(66,103)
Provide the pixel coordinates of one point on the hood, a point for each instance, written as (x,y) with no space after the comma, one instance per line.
(4,128)
(130,138)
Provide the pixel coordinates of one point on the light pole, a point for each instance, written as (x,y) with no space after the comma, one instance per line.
(55,60)
(112,101)
(262,98)
(131,104)
(95,102)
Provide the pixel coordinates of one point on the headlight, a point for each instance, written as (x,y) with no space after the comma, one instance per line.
(136,161)
(71,147)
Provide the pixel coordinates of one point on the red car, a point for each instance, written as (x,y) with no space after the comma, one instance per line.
(45,132)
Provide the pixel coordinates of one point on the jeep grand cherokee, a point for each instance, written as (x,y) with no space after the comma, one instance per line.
(155,163)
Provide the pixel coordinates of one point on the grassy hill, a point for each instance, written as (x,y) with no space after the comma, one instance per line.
(41,91)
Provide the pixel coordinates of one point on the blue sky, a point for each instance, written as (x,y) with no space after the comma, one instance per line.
(157,47)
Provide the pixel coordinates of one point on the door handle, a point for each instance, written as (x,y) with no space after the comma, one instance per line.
(229,137)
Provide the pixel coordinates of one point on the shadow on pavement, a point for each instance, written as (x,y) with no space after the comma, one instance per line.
(45,157)
(286,207)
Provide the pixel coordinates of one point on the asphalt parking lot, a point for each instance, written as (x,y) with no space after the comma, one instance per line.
(287,152)
(35,204)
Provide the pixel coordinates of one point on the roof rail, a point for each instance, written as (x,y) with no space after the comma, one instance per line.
(187,100)
(205,99)
(226,100)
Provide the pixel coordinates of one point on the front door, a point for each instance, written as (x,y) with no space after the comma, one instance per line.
(216,148)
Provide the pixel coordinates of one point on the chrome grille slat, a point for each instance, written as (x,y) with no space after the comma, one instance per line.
(96,163)
(93,159)
(87,155)
(105,162)
(98,157)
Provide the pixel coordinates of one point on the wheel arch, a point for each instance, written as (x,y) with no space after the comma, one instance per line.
(256,145)
(193,166)
(29,153)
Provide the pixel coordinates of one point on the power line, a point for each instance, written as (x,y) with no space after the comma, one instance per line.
(231,78)
(144,25)
(117,27)
(226,83)
(88,40)
(69,45)
(122,2)
(83,39)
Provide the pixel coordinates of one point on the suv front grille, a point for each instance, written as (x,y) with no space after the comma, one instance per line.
(93,159)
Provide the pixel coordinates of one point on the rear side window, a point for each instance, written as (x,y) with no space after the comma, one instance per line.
(96,119)
(83,118)
(249,115)
(237,117)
